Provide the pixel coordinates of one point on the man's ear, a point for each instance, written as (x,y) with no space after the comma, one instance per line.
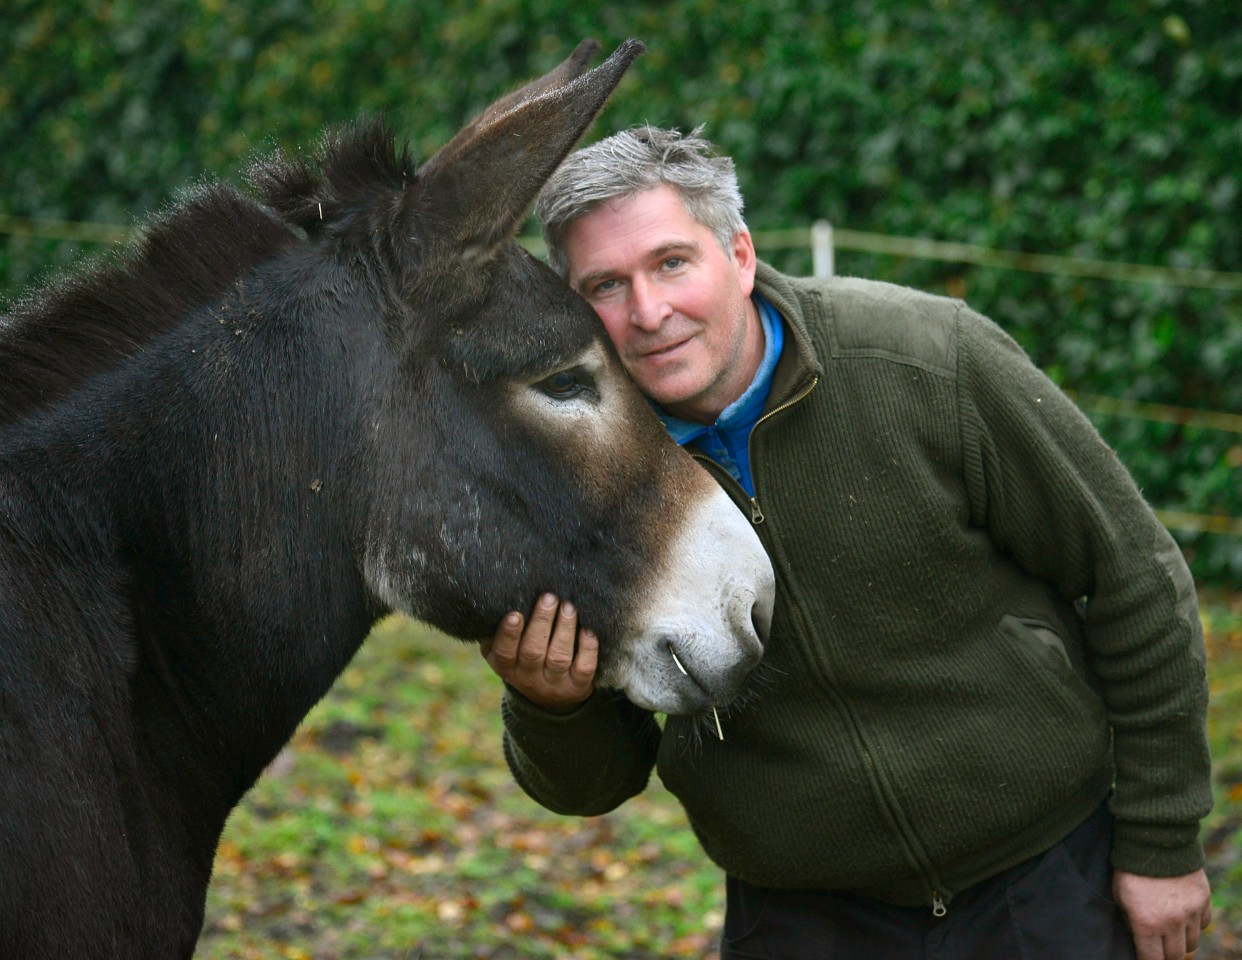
(746,259)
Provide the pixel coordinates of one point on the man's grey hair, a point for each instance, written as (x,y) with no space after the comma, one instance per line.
(630,162)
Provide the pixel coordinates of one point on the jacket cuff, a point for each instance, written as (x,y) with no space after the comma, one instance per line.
(1157,850)
(527,712)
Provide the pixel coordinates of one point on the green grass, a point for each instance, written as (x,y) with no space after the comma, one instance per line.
(391,828)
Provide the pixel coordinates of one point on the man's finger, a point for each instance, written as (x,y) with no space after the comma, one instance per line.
(587,658)
(560,655)
(502,648)
(533,648)
(1149,948)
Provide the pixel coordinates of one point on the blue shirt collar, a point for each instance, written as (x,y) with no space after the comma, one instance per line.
(743,412)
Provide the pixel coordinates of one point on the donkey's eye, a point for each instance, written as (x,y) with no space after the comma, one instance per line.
(568,384)
(562,385)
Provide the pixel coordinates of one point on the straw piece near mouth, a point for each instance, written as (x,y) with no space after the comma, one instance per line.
(716,716)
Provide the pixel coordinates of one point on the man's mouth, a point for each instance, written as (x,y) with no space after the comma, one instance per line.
(667,350)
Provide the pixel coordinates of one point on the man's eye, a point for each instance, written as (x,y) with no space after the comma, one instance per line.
(562,385)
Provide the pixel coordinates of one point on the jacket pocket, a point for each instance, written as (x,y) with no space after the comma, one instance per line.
(1042,647)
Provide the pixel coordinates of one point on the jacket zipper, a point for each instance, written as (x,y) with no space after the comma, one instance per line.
(756,511)
(938,906)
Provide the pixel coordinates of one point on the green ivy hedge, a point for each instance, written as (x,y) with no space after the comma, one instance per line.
(1105,130)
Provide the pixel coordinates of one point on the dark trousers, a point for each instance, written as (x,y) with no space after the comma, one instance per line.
(1056,906)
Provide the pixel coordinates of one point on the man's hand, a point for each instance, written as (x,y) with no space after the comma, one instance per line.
(1165,913)
(543,662)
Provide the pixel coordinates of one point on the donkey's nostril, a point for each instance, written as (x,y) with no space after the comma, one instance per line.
(760,613)
(761,620)
(749,616)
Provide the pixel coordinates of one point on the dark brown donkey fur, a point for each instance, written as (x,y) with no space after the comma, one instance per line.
(224,454)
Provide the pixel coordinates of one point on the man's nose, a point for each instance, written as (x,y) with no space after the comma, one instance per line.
(648,306)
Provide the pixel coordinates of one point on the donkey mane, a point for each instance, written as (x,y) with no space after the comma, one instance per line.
(354,166)
(187,257)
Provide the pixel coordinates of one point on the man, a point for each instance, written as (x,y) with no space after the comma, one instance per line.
(980,716)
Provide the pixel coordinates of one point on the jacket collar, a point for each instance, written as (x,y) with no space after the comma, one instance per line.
(798,366)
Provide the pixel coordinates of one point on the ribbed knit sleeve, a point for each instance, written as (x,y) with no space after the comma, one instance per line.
(1054,495)
(584,763)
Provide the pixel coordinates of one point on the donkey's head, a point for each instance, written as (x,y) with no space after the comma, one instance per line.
(510,454)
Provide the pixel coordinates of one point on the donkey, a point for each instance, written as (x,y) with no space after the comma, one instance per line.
(225,454)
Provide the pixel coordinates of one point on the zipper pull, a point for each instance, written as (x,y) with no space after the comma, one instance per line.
(756,512)
(938,907)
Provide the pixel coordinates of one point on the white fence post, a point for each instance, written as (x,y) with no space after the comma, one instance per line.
(822,261)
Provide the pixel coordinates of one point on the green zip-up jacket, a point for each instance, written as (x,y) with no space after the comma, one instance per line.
(981,629)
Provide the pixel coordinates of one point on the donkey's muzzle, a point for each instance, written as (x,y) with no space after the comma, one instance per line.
(708,614)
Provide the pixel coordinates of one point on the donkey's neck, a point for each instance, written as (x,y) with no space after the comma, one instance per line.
(230,500)
(240,673)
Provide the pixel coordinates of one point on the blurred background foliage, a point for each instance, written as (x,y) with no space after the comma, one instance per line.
(1106,130)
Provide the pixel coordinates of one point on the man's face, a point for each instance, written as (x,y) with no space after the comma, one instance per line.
(676,306)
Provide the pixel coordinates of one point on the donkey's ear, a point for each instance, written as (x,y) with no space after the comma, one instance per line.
(475,191)
(569,69)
